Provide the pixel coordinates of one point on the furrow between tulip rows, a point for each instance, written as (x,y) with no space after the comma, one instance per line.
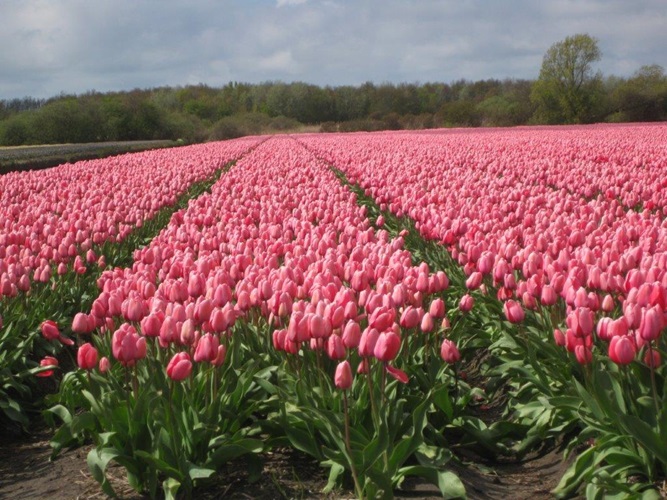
(276,274)
(78,232)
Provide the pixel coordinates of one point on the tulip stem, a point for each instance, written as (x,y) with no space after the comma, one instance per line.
(357,487)
(652,367)
(371,394)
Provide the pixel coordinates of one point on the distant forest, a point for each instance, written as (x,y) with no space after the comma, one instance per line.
(201,113)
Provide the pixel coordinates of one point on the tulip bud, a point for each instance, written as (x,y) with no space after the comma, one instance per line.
(86,356)
(47,361)
(387,346)
(466,304)
(513,311)
(104,365)
(449,352)
(343,376)
(50,330)
(622,350)
(179,367)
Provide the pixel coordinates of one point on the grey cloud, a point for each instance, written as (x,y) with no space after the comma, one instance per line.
(75,45)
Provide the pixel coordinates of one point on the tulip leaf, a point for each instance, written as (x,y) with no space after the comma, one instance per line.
(98,459)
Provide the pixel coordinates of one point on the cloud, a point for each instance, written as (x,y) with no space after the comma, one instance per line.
(76,45)
(283,3)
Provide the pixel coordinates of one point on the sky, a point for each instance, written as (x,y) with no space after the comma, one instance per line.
(48,47)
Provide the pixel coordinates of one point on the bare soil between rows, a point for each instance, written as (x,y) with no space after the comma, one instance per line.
(26,472)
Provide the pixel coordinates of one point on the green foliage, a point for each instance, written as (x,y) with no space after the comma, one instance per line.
(567,90)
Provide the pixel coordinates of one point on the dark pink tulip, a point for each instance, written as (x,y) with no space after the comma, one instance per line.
(86,356)
(152,324)
(513,311)
(343,376)
(82,323)
(220,356)
(104,365)
(583,354)
(410,318)
(449,352)
(427,324)
(387,346)
(622,350)
(652,323)
(652,358)
(474,281)
(369,338)
(466,304)
(50,330)
(437,308)
(602,329)
(548,296)
(618,328)
(351,335)
(179,367)
(335,347)
(559,338)
(207,348)
(607,303)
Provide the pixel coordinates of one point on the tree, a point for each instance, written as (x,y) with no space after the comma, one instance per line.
(643,97)
(568,90)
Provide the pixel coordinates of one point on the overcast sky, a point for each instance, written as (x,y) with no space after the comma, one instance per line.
(73,46)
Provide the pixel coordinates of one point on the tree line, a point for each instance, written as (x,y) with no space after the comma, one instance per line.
(566,91)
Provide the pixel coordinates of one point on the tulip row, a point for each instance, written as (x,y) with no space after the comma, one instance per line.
(290,272)
(76,230)
(563,222)
(53,217)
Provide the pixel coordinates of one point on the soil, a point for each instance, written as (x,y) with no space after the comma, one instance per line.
(26,472)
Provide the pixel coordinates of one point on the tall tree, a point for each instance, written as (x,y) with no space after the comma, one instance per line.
(568,90)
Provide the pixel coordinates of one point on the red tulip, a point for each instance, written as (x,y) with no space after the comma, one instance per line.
(47,361)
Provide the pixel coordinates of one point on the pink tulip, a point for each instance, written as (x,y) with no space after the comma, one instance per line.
(622,350)
(104,365)
(207,348)
(179,366)
(86,356)
(343,377)
(387,346)
(466,304)
(652,323)
(513,311)
(449,352)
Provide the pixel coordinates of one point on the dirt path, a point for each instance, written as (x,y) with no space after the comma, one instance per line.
(27,473)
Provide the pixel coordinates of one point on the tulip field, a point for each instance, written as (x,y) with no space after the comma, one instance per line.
(389,304)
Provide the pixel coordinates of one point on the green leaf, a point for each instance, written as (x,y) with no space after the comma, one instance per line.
(448,483)
(334,474)
(576,474)
(649,439)
(225,452)
(196,472)
(61,412)
(170,487)
(97,460)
